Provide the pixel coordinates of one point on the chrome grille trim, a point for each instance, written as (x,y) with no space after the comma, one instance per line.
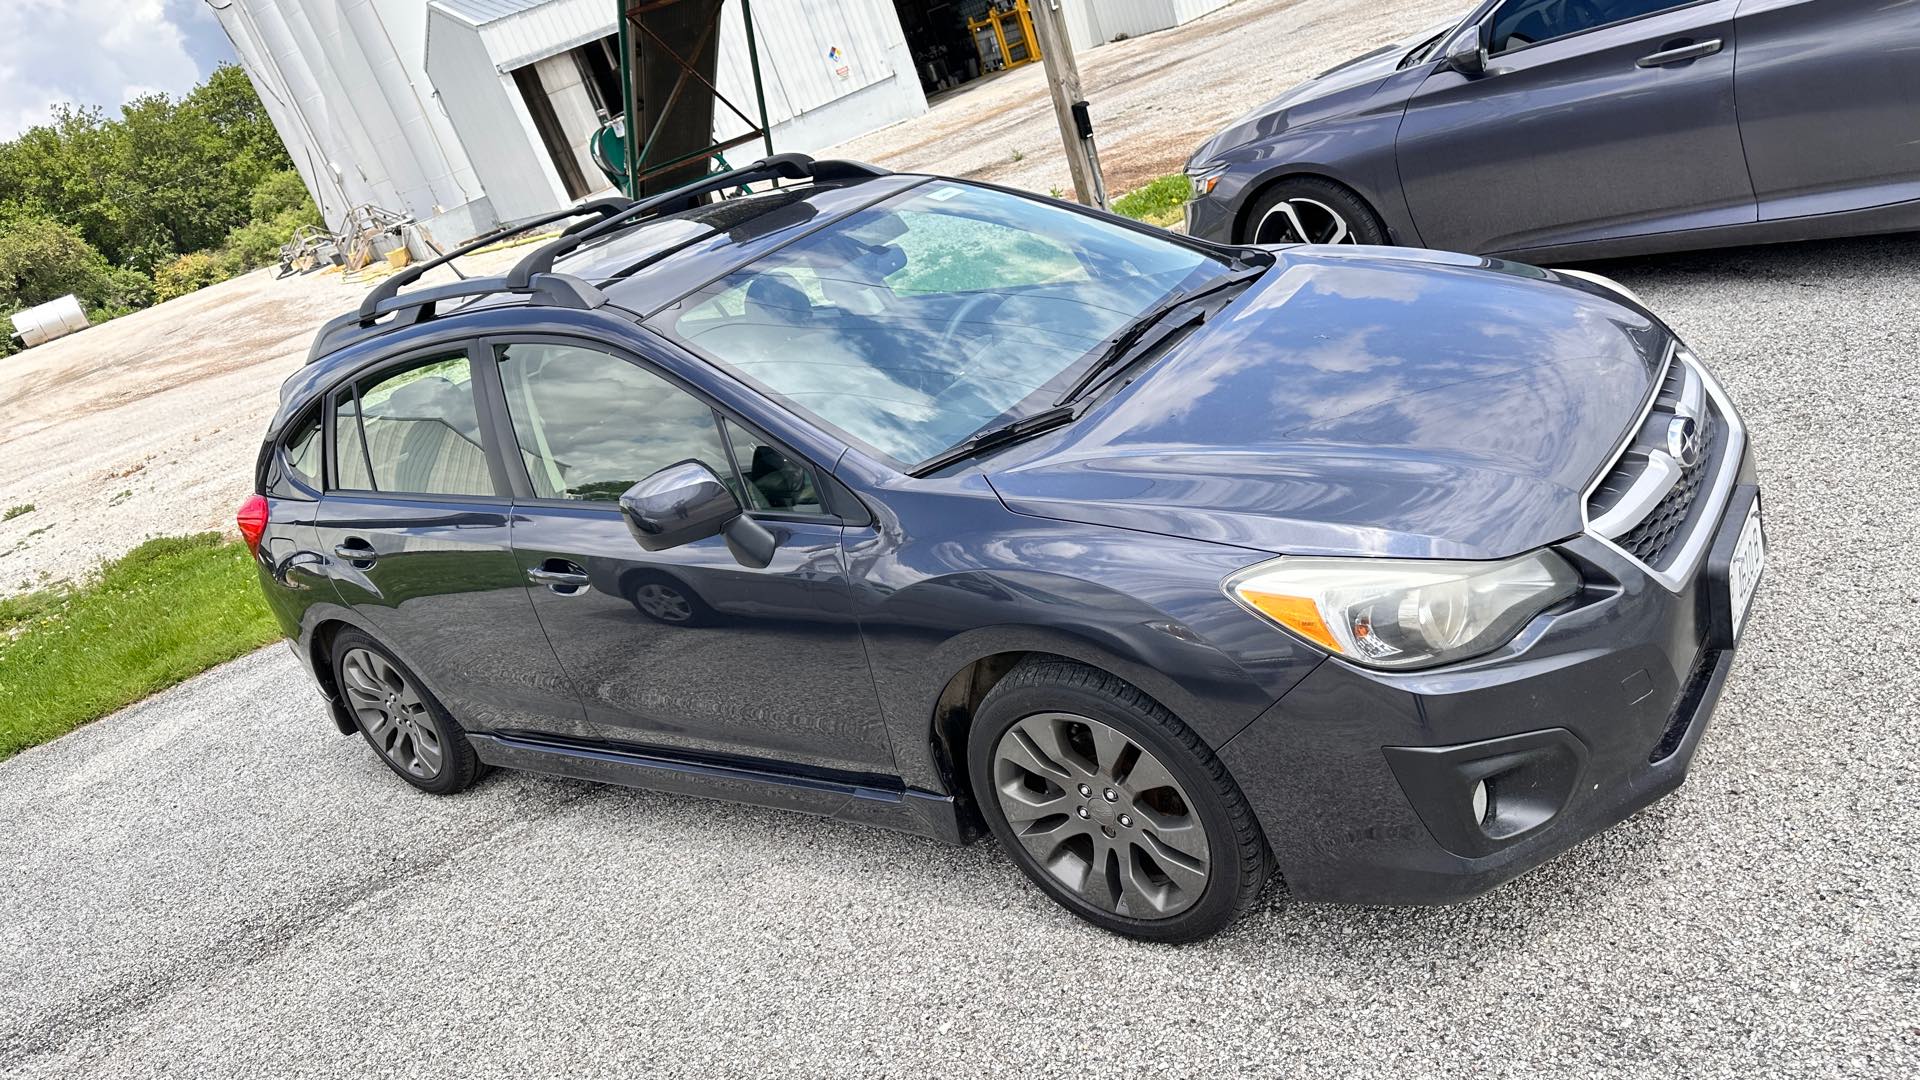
(1684,388)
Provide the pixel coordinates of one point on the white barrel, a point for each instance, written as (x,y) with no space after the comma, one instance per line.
(53,319)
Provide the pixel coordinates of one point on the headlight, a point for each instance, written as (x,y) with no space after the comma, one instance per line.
(1404,613)
(1205,178)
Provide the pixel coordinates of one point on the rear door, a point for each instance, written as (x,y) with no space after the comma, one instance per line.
(686,649)
(1595,118)
(414,526)
(1830,103)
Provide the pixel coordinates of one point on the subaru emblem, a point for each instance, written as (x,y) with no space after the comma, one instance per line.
(1683,441)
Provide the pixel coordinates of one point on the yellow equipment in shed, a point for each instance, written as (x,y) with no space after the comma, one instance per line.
(1008,27)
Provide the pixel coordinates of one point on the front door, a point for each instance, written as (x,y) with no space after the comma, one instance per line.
(684,650)
(1595,118)
(1830,103)
(414,531)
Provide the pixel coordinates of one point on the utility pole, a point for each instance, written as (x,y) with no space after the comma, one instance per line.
(1069,107)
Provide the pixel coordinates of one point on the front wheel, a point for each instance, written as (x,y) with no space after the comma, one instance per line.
(1308,210)
(1112,806)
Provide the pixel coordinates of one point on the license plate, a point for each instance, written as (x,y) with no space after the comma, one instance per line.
(1749,561)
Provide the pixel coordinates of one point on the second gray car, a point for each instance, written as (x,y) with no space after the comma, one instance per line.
(1588,128)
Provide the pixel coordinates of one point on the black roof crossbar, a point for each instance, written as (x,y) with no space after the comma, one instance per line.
(547,290)
(390,288)
(777,167)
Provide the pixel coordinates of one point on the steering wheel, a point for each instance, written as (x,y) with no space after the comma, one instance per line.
(971,305)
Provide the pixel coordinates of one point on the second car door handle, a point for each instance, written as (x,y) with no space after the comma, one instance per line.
(562,577)
(356,552)
(1680,53)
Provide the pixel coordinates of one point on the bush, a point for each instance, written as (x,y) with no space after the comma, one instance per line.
(257,243)
(42,260)
(193,272)
(278,193)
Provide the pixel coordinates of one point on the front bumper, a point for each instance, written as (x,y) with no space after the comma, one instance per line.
(1362,779)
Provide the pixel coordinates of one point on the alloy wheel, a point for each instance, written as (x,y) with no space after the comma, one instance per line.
(663,602)
(1101,815)
(1303,221)
(393,713)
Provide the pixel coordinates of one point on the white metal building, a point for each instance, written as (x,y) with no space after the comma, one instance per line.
(469,113)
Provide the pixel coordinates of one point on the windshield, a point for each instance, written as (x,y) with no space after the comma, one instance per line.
(942,311)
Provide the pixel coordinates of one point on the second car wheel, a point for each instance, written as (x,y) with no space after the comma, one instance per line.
(1309,210)
(1111,805)
(400,719)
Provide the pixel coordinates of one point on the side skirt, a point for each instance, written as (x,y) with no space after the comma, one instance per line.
(910,810)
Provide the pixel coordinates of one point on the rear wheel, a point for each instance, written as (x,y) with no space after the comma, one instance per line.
(404,724)
(1112,806)
(1309,210)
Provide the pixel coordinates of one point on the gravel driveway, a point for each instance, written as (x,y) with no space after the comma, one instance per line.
(214,884)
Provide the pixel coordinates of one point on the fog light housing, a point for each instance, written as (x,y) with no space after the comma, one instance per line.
(1479,799)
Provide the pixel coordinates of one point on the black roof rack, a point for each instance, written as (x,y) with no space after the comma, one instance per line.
(390,288)
(547,290)
(533,276)
(777,167)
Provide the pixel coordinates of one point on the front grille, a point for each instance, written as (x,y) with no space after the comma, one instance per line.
(1653,539)
(1648,504)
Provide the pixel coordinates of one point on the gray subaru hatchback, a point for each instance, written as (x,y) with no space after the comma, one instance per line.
(1176,567)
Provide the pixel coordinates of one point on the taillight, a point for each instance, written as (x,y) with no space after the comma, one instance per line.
(253,521)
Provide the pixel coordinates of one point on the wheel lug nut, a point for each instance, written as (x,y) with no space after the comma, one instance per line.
(1126,822)
(1082,811)
(1086,792)
(1112,795)
(1108,829)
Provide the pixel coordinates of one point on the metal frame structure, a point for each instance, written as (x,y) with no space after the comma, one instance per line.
(641,43)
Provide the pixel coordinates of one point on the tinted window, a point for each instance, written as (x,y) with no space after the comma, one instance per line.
(914,323)
(591,425)
(414,432)
(773,479)
(1529,22)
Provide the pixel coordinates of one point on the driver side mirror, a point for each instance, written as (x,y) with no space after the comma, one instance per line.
(1470,53)
(683,503)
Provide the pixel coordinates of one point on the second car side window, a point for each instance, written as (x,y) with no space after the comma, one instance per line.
(1520,23)
(590,424)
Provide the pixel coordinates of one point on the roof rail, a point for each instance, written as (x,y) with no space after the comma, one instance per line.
(390,288)
(548,290)
(777,167)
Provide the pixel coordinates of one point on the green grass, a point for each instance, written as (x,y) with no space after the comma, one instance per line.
(1159,203)
(16,511)
(167,610)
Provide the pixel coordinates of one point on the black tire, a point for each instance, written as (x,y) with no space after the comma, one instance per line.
(1235,859)
(1268,223)
(665,599)
(355,655)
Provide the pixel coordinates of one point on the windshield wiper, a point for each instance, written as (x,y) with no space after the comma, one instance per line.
(1122,348)
(1025,427)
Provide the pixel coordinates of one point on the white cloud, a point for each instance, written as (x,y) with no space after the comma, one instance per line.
(88,52)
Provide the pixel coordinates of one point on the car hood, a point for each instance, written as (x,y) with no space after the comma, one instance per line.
(1362,401)
(1330,94)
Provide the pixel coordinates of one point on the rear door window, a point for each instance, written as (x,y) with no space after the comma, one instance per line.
(415,431)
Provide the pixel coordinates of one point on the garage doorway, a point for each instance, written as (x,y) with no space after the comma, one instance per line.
(955,42)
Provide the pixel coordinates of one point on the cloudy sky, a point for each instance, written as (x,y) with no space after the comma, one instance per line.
(100,52)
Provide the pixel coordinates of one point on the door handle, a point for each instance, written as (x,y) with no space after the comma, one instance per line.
(1680,54)
(356,552)
(561,576)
